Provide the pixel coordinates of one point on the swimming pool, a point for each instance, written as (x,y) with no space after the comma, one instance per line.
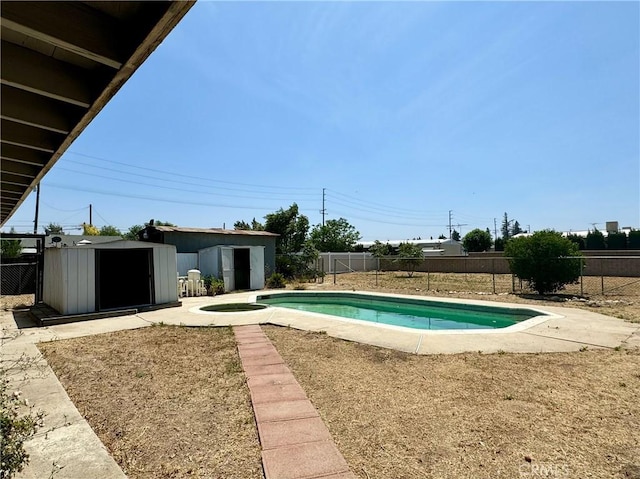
(404,312)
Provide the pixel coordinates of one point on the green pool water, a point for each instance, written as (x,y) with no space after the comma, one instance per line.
(417,314)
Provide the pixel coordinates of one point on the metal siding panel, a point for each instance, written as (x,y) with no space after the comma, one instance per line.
(83,285)
(72,289)
(91,280)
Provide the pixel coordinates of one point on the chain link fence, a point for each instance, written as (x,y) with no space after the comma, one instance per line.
(617,276)
(18,285)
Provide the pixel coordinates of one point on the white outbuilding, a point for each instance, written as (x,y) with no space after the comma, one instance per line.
(109,276)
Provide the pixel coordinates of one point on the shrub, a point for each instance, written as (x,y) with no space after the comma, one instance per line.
(634,239)
(15,429)
(476,241)
(546,260)
(276,280)
(217,286)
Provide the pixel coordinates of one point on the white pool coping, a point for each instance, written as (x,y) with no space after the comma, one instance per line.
(520,326)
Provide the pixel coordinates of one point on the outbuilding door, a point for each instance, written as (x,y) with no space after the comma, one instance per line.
(124,278)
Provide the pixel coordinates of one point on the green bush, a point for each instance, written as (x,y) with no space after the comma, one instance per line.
(15,429)
(546,260)
(276,280)
(579,240)
(213,285)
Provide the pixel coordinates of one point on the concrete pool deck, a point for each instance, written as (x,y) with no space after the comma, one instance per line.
(68,442)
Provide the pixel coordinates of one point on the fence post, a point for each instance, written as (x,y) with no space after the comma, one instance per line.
(377,270)
(335,260)
(581,278)
(493,274)
(602,284)
(428,276)
(513,283)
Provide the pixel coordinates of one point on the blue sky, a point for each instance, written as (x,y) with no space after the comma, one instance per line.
(401,110)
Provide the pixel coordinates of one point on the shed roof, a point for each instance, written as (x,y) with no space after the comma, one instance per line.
(218,231)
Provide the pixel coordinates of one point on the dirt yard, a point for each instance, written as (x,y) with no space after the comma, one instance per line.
(397,415)
(167,402)
(172,402)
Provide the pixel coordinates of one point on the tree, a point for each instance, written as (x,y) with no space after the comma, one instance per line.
(110,231)
(442,237)
(634,239)
(455,235)
(410,255)
(617,241)
(53,229)
(336,236)
(243,225)
(10,248)
(505,228)
(292,228)
(546,260)
(89,230)
(379,250)
(579,240)
(498,244)
(516,229)
(476,241)
(132,233)
(595,240)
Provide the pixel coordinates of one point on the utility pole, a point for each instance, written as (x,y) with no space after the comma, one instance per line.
(323,210)
(495,229)
(35,221)
(90,215)
(450,211)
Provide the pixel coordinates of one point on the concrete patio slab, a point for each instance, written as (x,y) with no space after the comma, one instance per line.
(271,380)
(284,410)
(294,431)
(259,369)
(274,393)
(263,359)
(304,461)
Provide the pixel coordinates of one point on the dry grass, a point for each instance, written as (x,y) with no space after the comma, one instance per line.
(396,415)
(625,303)
(167,402)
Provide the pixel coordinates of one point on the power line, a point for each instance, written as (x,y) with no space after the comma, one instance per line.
(172,173)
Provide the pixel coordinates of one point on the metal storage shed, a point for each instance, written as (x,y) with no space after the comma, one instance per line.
(109,276)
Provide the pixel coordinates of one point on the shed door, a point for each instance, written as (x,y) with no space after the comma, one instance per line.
(124,278)
(227,269)
(257,267)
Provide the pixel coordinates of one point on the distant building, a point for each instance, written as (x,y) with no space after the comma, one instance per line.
(430,247)
(240,258)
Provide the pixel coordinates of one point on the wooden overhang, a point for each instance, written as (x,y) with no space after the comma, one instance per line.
(61,62)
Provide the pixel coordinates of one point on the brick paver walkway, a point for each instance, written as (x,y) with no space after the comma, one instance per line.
(295,442)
